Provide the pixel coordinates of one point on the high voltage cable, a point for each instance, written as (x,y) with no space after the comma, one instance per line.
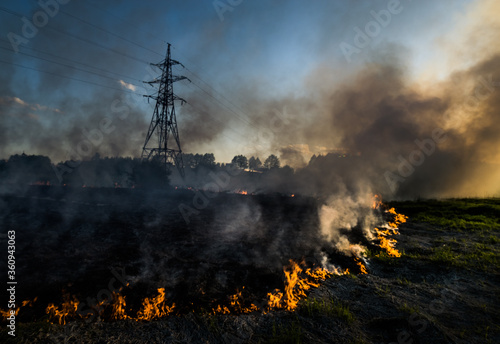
(68,66)
(215,120)
(192,72)
(32,68)
(223,124)
(221,104)
(68,77)
(140,60)
(241,117)
(93,83)
(73,61)
(123,54)
(109,32)
(80,38)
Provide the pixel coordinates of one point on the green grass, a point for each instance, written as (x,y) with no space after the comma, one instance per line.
(381,256)
(468,215)
(408,309)
(313,307)
(403,281)
(470,232)
(291,334)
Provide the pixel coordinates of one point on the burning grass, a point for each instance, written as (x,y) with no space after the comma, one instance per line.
(297,282)
(298,279)
(441,289)
(295,286)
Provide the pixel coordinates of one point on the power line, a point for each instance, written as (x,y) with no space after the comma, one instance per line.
(73,61)
(128,22)
(65,65)
(243,118)
(80,38)
(122,54)
(68,77)
(109,32)
(216,120)
(214,100)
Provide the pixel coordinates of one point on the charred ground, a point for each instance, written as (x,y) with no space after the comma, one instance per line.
(444,288)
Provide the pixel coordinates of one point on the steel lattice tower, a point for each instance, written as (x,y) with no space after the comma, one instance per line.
(167,147)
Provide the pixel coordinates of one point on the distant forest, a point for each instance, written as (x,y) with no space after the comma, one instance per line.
(324,174)
(115,172)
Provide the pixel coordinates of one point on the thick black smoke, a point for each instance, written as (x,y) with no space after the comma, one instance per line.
(396,137)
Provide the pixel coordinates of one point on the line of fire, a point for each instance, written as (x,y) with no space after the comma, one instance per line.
(297,243)
(159,281)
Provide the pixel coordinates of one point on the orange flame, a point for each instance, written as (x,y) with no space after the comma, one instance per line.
(221,310)
(237,304)
(362,266)
(155,308)
(377,201)
(295,286)
(118,307)
(67,311)
(398,218)
(6,314)
(388,244)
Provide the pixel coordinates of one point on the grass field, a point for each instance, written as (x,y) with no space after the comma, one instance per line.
(445,288)
(467,232)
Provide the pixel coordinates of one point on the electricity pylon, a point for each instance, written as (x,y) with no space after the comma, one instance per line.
(167,147)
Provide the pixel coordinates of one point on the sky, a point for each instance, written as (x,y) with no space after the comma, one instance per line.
(290,78)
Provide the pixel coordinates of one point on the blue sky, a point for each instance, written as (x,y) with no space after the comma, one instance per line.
(262,57)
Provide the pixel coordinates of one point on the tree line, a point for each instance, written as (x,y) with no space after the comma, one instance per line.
(254,163)
(111,172)
(208,160)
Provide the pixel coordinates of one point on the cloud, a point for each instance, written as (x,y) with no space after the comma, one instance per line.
(127,85)
(7,102)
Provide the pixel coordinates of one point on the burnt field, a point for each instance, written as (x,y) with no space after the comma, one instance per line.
(100,256)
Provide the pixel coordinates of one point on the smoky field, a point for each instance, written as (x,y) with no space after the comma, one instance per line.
(92,243)
(125,266)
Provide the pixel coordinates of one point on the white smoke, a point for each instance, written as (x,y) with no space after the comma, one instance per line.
(342,213)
